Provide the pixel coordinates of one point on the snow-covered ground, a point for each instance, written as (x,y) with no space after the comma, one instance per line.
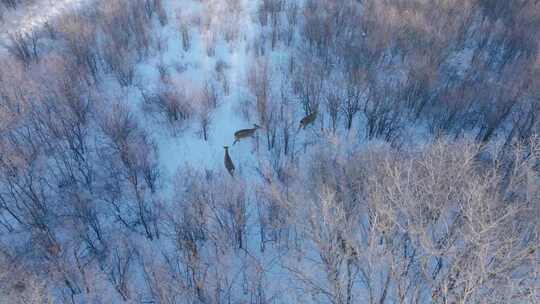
(188,148)
(226,41)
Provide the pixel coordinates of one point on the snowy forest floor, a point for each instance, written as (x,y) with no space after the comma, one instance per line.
(118,114)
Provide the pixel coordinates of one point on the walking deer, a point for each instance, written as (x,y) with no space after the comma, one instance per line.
(244,133)
(306,121)
(228,162)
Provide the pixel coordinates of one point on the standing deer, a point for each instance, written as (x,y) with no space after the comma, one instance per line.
(241,134)
(228,162)
(306,121)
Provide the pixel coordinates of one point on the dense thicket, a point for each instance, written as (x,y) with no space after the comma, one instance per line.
(453,67)
(443,208)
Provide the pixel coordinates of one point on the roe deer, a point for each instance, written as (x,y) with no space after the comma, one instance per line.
(241,134)
(306,121)
(228,162)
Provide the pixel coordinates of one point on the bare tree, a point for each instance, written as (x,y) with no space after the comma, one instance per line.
(24,46)
(266,108)
(80,37)
(170,105)
(205,106)
(119,274)
(134,158)
(333,107)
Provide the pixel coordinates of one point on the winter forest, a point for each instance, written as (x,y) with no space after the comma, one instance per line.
(269,151)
